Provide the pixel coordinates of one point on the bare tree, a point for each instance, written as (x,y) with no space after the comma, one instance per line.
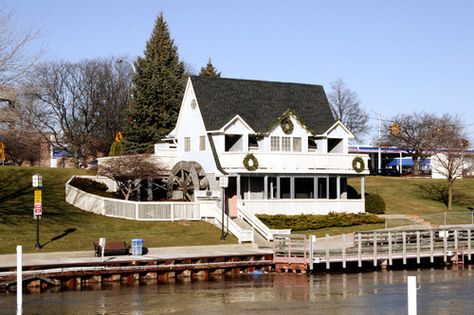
(420,134)
(15,57)
(81,105)
(448,160)
(129,171)
(346,107)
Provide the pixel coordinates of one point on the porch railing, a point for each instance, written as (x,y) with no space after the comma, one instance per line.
(258,225)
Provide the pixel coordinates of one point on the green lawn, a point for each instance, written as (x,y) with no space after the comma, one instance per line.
(402,195)
(17,226)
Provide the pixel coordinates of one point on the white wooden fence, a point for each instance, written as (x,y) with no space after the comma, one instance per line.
(153,211)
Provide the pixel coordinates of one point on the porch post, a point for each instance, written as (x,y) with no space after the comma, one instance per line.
(239,195)
(362,187)
(315,190)
(265,187)
(278,188)
(292,187)
(338,187)
(327,187)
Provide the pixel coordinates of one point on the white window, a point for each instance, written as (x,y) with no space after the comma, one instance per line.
(202,143)
(297,144)
(187,144)
(286,144)
(275,143)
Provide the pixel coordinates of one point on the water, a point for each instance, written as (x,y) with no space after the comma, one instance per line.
(442,291)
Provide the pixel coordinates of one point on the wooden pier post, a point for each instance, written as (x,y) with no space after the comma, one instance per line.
(326,244)
(431,247)
(344,251)
(469,244)
(445,246)
(390,248)
(404,239)
(418,247)
(375,249)
(359,250)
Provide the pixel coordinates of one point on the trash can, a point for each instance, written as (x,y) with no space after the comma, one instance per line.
(137,246)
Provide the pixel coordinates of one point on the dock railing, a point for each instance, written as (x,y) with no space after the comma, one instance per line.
(377,247)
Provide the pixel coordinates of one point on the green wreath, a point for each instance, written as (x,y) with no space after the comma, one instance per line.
(358,164)
(250,162)
(287,125)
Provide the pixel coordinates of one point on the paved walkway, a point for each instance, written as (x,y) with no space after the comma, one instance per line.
(65,258)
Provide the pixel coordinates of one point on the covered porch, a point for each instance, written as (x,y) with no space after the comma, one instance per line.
(294,194)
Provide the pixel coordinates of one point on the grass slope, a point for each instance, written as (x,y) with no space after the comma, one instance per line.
(403,196)
(17,226)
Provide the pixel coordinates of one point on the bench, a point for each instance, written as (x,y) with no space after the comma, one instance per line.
(112,248)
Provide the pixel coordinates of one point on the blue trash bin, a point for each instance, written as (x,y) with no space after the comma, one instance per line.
(137,246)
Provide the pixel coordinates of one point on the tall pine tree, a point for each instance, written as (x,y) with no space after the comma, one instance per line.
(209,71)
(157,92)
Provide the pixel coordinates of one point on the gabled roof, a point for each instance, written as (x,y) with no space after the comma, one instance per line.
(260,103)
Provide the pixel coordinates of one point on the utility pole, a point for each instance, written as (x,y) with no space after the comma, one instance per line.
(379,126)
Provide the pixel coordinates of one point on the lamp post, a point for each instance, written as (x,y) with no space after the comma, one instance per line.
(38,206)
(223,183)
(379,159)
(130,63)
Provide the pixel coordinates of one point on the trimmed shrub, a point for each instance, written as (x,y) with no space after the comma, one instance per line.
(313,222)
(374,203)
(92,187)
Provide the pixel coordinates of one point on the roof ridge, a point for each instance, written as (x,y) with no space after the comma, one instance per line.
(254,80)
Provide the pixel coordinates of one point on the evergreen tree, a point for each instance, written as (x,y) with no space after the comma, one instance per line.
(157,92)
(209,71)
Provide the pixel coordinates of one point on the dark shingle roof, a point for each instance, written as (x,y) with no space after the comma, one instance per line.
(260,103)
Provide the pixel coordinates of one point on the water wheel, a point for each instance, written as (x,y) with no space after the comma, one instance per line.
(185,178)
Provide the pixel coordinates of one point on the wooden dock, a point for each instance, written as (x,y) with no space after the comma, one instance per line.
(135,270)
(300,252)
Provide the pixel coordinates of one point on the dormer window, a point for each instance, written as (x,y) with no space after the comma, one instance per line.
(312,145)
(233,143)
(253,143)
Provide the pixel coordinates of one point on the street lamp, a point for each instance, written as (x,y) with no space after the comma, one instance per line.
(379,162)
(37,181)
(130,63)
(223,183)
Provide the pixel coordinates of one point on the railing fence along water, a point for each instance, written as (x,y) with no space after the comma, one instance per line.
(378,247)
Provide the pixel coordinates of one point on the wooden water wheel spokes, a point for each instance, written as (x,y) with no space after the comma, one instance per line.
(185,178)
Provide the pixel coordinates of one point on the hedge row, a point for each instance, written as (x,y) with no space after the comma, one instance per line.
(312,222)
(91,186)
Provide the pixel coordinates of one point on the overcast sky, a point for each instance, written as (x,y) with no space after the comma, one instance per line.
(399,56)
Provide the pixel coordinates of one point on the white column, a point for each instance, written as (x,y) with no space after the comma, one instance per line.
(239,196)
(327,187)
(278,188)
(338,187)
(315,190)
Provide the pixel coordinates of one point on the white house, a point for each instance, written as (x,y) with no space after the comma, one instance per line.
(278,143)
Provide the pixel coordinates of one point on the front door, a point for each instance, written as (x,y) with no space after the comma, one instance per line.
(232,197)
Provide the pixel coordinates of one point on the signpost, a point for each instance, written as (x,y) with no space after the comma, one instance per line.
(2,152)
(38,205)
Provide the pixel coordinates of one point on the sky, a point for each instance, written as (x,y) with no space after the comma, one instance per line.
(400,56)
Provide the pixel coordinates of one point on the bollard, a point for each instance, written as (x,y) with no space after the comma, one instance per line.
(411,286)
(19,280)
